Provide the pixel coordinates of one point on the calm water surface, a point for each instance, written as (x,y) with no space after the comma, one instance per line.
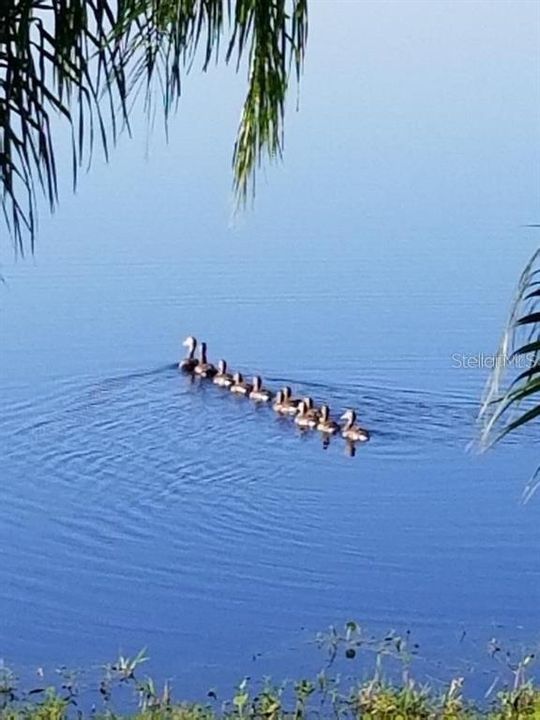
(140,509)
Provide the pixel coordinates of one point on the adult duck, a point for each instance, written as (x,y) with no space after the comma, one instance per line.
(190,362)
(240,386)
(325,424)
(351,431)
(259,393)
(223,378)
(203,367)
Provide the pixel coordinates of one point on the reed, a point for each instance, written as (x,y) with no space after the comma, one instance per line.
(375,697)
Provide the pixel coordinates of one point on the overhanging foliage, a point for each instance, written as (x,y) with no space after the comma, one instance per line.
(87,61)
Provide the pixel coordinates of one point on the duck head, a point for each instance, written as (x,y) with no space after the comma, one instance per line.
(349,416)
(325,413)
(257,382)
(237,377)
(191,343)
(222,367)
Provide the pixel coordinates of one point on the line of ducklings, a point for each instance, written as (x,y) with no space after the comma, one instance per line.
(306,416)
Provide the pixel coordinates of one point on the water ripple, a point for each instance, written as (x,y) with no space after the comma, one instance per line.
(149,485)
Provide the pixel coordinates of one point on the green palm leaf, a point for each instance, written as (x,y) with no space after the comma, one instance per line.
(86,62)
(512,396)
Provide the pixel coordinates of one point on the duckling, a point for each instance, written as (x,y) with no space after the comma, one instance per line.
(290,404)
(350,430)
(325,425)
(259,393)
(278,404)
(311,411)
(240,386)
(223,378)
(189,363)
(302,419)
(203,367)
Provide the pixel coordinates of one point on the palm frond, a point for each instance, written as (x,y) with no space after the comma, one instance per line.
(512,395)
(51,55)
(87,61)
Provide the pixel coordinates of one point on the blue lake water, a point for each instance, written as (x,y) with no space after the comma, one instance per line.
(140,509)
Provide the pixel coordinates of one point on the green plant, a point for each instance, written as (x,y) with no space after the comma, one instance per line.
(86,62)
(377,697)
(125,667)
(512,397)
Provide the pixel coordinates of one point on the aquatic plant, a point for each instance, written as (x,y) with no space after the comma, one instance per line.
(378,696)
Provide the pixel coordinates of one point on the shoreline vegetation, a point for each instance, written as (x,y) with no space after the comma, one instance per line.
(124,692)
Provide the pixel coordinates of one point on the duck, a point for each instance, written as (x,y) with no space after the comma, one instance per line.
(189,363)
(203,367)
(290,404)
(311,411)
(325,424)
(259,393)
(240,386)
(222,377)
(351,431)
(303,419)
(278,403)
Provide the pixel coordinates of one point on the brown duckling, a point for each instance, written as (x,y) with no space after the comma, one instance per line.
(325,424)
(351,431)
(240,386)
(203,367)
(190,362)
(311,411)
(278,404)
(303,419)
(259,393)
(223,378)
(290,404)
